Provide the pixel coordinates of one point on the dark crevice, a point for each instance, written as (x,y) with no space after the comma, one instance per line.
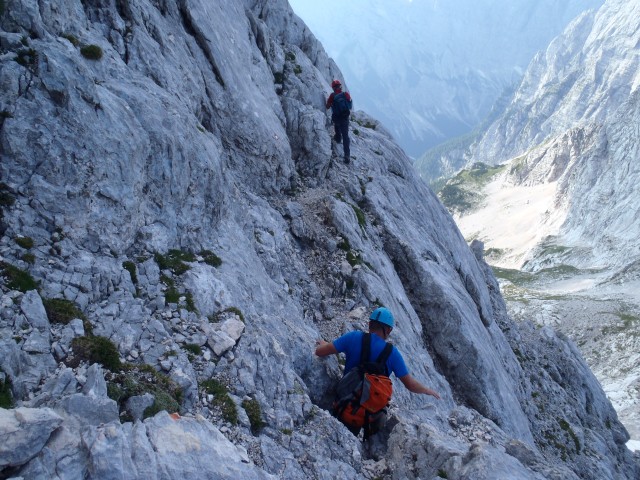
(124,10)
(201,41)
(424,294)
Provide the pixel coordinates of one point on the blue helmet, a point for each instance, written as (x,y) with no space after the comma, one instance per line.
(382,315)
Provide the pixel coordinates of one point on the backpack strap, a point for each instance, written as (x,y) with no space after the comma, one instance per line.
(385,354)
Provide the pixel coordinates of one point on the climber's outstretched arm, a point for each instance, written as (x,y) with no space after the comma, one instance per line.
(415,386)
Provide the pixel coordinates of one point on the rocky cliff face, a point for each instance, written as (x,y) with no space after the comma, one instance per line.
(177,231)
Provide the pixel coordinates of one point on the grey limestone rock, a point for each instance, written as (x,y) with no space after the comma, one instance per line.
(33,309)
(24,432)
(137,404)
(95,386)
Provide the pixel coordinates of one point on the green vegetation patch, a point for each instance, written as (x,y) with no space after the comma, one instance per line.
(60,310)
(221,399)
(1,7)
(216,317)
(174,260)
(91,52)
(354,258)
(564,425)
(628,325)
(172,294)
(94,349)
(362,220)
(136,380)
(460,193)
(27,57)
(290,56)
(516,277)
(72,38)
(6,198)
(193,348)
(17,279)
(24,242)
(6,397)
(457,199)
(344,245)
(254,412)
(131,268)
(211,258)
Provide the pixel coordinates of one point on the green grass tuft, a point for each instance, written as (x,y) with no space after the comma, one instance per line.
(17,279)
(97,350)
(140,379)
(162,401)
(131,268)
(211,258)
(216,317)
(193,348)
(29,258)
(174,261)
(344,245)
(221,399)
(6,398)
(27,57)
(91,52)
(24,242)
(60,310)
(72,38)
(254,412)
(362,220)
(6,198)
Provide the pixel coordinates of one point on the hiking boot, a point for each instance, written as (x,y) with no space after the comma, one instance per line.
(347,160)
(337,139)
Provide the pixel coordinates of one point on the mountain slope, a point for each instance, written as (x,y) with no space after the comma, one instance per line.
(564,205)
(168,180)
(570,127)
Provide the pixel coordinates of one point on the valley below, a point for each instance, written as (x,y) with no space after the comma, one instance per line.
(599,313)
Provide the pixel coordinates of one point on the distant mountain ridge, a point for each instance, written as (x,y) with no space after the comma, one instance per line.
(571,124)
(430,70)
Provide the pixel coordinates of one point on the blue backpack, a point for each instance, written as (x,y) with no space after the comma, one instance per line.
(341,106)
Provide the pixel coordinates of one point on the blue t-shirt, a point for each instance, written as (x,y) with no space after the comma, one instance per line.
(351,345)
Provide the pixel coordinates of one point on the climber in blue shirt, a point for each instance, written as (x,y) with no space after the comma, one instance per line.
(387,360)
(381,324)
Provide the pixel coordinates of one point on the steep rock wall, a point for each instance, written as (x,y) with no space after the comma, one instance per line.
(202,130)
